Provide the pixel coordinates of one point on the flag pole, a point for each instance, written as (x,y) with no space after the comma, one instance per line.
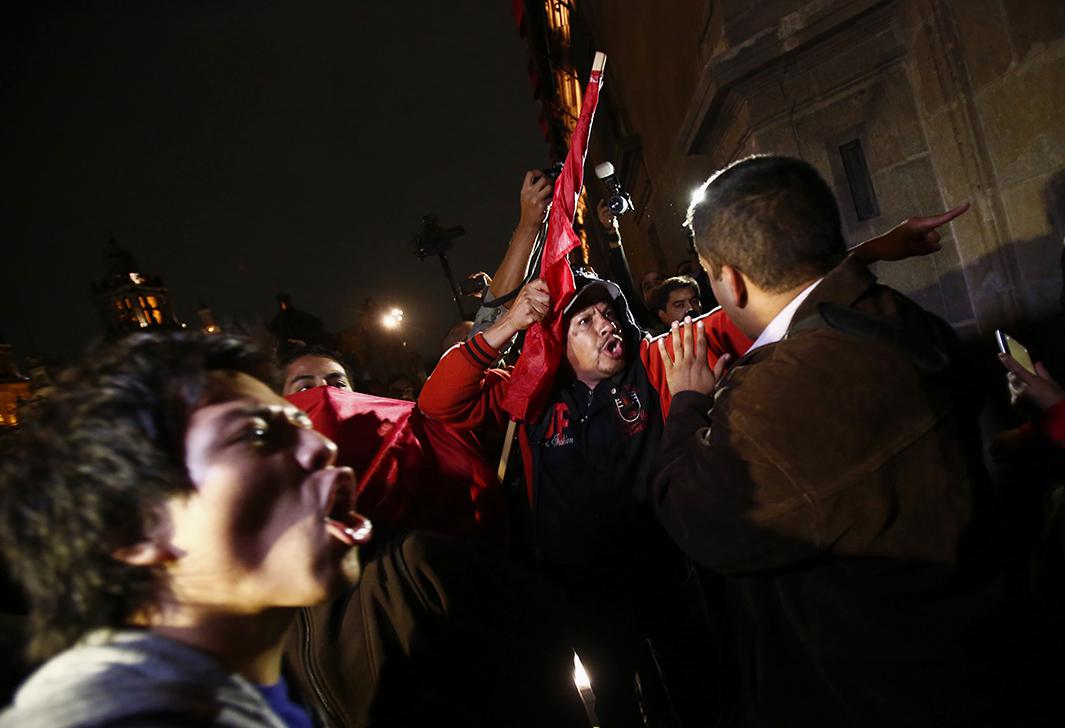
(542,353)
(599,62)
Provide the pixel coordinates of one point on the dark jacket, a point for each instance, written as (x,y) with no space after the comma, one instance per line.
(438,631)
(605,476)
(836,482)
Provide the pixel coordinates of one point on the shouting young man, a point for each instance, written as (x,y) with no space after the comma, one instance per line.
(166,515)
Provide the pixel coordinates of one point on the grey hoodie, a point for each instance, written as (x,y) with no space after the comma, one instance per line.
(134,679)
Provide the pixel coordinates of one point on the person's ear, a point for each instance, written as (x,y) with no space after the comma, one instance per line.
(663,317)
(144,553)
(155,549)
(735,284)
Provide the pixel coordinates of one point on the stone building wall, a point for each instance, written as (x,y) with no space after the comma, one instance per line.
(948,100)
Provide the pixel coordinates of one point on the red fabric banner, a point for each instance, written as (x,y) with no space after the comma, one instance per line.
(534,374)
(413,472)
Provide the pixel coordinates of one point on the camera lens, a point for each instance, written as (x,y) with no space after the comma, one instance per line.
(617,205)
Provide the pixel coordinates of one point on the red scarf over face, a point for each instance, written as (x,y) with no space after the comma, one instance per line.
(413,472)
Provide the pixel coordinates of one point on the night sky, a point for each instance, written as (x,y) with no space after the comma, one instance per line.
(243,148)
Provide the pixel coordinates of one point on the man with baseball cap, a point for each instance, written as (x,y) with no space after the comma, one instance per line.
(586,522)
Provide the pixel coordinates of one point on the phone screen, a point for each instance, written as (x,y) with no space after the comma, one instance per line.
(1009,345)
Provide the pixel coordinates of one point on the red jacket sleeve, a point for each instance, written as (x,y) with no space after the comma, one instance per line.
(1052,424)
(464,391)
(722,337)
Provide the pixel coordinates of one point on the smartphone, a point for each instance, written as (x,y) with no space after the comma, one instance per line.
(1009,345)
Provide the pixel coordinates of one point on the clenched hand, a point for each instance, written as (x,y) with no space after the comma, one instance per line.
(531,305)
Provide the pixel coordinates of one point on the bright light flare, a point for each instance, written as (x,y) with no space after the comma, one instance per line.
(392,319)
(698,194)
(580,675)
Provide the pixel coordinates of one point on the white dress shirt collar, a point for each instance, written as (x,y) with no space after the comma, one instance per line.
(776,329)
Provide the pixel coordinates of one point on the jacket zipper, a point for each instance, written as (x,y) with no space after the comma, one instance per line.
(535,509)
(324,707)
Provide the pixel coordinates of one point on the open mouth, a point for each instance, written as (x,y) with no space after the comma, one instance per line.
(613,347)
(341,521)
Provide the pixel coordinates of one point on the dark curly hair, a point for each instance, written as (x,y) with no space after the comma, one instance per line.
(91,466)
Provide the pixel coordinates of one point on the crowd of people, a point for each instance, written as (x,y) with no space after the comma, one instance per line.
(756,495)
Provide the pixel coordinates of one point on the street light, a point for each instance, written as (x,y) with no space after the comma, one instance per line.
(392,319)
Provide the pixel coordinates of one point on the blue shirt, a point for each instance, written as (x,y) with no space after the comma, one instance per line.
(291,714)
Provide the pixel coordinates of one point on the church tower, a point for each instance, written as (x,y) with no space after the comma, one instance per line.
(129,300)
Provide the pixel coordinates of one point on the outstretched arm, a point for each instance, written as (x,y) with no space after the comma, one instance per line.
(619,264)
(912,237)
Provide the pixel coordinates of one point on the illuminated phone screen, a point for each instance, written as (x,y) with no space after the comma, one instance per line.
(1018,351)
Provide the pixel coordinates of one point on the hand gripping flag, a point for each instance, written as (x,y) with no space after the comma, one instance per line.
(534,374)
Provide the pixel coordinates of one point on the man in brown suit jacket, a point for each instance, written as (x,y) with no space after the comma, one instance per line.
(832,488)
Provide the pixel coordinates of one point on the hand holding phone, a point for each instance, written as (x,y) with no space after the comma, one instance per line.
(1009,345)
(1028,381)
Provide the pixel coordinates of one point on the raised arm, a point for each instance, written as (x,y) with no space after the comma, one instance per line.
(619,265)
(536,190)
(464,390)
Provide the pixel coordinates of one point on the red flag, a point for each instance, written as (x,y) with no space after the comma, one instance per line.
(535,372)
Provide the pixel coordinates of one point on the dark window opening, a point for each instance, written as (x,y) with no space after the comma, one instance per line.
(860,183)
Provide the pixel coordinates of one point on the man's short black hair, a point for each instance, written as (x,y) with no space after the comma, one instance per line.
(291,350)
(89,470)
(673,284)
(772,218)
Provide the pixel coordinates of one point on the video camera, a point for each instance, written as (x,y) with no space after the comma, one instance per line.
(431,239)
(619,201)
